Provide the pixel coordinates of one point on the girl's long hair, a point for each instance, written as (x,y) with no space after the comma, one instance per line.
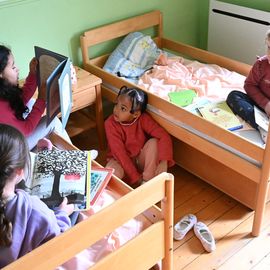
(8,92)
(14,154)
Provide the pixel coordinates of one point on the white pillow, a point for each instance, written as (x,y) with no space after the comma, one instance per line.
(135,54)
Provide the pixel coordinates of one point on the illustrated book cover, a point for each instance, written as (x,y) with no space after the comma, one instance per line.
(220,114)
(62,173)
(54,70)
(100,178)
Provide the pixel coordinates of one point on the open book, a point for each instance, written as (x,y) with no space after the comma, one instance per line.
(220,114)
(54,70)
(62,173)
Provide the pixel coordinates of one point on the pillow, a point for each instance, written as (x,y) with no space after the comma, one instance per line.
(135,54)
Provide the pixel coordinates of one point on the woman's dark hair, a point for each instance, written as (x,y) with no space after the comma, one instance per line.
(137,97)
(8,92)
(14,154)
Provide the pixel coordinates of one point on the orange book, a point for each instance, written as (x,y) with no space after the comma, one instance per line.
(100,178)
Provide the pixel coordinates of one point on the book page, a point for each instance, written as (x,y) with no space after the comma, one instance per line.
(61,173)
(47,65)
(261,118)
(99,180)
(65,91)
(221,115)
(97,177)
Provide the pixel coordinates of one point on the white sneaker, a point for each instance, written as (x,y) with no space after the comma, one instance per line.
(205,236)
(94,154)
(183,226)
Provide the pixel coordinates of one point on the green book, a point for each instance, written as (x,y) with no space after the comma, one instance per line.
(182,98)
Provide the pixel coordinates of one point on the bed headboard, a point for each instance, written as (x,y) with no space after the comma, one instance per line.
(145,21)
(120,29)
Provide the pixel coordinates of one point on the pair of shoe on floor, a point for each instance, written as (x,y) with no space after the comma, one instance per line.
(200,229)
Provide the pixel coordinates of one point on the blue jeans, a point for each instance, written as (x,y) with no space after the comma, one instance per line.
(242,105)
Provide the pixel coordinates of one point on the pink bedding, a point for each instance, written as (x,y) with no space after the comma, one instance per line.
(210,81)
(108,244)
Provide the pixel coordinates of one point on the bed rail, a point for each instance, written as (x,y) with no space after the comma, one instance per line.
(152,245)
(99,35)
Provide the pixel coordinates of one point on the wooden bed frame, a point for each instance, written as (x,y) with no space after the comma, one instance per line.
(153,244)
(225,168)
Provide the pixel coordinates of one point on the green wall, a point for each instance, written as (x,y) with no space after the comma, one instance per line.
(58,24)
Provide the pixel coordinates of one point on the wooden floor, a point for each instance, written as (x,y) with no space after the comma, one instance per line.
(229,221)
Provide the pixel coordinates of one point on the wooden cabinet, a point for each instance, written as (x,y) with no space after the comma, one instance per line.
(86,92)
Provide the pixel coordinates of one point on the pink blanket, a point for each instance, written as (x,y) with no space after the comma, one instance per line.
(109,243)
(207,80)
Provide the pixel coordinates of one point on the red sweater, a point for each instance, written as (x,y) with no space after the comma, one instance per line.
(7,115)
(126,141)
(257,84)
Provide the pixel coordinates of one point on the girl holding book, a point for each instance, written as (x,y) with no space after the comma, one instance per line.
(257,87)
(25,221)
(14,101)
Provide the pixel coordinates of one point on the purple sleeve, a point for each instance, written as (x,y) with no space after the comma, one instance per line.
(63,220)
(33,224)
(50,223)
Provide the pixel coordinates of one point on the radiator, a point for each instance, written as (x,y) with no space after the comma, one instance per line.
(237,32)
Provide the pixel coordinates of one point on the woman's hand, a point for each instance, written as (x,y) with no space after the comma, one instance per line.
(33,66)
(68,208)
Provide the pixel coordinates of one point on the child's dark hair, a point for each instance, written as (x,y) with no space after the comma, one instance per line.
(8,92)
(14,154)
(137,97)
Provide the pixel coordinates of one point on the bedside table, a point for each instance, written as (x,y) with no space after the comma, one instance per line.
(86,92)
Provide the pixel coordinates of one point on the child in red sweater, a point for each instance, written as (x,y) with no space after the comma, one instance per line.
(257,87)
(139,148)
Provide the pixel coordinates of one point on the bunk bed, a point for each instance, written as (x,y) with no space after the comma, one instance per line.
(231,163)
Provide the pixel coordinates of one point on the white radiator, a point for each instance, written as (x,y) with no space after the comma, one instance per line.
(237,32)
